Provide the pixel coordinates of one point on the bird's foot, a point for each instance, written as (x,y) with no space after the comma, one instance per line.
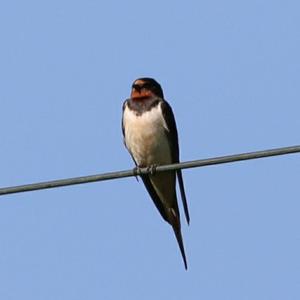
(136,173)
(152,169)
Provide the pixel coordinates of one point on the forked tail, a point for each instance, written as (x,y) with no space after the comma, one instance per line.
(178,235)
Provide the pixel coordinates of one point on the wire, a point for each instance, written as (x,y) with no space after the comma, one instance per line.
(139,171)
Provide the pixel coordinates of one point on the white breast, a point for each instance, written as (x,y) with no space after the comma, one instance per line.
(145,137)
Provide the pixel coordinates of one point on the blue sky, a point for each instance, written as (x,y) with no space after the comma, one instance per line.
(230,70)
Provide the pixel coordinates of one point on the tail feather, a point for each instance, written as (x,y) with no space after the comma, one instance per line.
(178,235)
(183,197)
(174,220)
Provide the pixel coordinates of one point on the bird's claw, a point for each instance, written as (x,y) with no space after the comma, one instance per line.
(136,173)
(152,169)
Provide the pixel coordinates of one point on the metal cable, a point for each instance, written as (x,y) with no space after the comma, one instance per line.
(139,171)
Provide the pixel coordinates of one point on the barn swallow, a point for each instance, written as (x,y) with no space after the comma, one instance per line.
(151,137)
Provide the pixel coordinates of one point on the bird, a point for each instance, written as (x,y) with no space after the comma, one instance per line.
(150,135)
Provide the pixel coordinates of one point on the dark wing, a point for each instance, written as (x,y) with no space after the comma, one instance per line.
(173,140)
(159,205)
(123,129)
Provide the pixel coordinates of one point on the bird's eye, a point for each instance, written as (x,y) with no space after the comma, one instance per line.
(136,87)
(146,86)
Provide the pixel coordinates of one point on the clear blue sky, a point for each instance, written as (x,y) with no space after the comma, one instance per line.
(230,70)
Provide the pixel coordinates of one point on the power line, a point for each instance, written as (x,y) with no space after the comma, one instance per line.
(139,171)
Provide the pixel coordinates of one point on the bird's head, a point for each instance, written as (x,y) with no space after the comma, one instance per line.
(144,88)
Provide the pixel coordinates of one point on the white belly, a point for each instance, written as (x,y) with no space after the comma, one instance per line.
(145,137)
